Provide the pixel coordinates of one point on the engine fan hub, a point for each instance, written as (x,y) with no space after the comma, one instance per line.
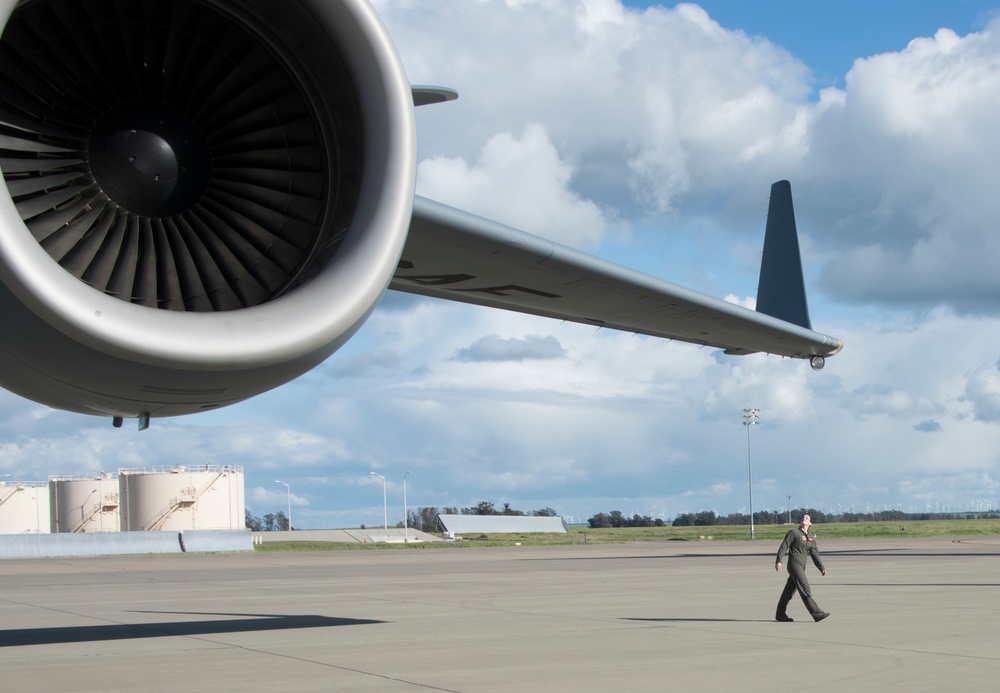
(150,159)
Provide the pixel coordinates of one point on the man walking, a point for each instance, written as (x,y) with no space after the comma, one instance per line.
(798,544)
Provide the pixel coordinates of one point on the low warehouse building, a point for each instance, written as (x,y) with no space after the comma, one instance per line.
(455,525)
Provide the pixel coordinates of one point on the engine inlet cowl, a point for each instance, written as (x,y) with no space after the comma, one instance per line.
(206,197)
(166,153)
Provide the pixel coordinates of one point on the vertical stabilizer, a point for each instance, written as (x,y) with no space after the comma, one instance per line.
(781,292)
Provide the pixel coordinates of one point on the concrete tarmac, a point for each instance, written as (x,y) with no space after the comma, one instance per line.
(908,614)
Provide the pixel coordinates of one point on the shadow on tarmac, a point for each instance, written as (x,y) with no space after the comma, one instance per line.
(129,631)
(701,620)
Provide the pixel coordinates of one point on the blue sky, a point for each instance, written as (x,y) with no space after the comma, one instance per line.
(829,36)
(650,135)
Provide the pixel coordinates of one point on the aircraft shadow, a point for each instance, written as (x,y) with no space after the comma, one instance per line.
(701,620)
(917,584)
(131,631)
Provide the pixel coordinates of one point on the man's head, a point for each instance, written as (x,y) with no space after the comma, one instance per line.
(806,522)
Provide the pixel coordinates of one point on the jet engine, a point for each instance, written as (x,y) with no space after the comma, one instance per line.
(204,198)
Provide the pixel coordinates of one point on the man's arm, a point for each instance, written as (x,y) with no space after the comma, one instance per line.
(782,550)
(814,552)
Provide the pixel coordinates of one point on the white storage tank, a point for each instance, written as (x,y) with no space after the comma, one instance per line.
(84,504)
(182,498)
(24,507)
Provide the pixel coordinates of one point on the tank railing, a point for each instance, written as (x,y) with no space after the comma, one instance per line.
(182,469)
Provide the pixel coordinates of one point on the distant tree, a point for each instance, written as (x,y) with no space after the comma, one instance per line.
(705,518)
(616,519)
(269,522)
(480,508)
(735,519)
(253,523)
(507,510)
(280,522)
(599,521)
(640,521)
(545,512)
(425,519)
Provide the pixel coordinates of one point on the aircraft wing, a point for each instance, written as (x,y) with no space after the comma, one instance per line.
(462,257)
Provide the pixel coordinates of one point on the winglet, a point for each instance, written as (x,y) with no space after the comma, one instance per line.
(781,292)
(427,95)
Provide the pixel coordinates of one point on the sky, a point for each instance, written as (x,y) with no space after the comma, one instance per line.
(649,134)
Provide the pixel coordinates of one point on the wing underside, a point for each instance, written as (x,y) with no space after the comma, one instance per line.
(458,256)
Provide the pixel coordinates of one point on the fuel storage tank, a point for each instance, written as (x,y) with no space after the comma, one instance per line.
(24,507)
(84,504)
(182,498)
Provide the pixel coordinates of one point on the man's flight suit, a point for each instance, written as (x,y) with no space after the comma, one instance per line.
(798,545)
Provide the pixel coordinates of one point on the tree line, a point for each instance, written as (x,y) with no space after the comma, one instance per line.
(777,517)
(272,522)
(616,518)
(425,518)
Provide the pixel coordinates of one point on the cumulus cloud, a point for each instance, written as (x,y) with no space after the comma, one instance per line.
(909,165)
(650,107)
(363,364)
(521,182)
(279,497)
(983,390)
(495,348)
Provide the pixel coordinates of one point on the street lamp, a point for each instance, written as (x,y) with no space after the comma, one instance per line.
(789,497)
(406,529)
(751,417)
(385,508)
(289,490)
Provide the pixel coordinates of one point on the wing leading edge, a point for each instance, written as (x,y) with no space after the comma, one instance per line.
(458,256)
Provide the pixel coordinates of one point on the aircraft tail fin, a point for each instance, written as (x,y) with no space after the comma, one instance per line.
(781,292)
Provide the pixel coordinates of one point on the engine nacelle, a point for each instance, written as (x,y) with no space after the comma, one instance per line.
(206,197)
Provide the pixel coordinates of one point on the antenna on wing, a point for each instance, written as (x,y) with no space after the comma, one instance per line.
(781,292)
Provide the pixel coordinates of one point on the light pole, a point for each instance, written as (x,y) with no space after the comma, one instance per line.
(751,417)
(289,489)
(406,528)
(789,497)
(385,508)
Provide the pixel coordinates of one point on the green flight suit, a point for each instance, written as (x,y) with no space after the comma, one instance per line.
(798,545)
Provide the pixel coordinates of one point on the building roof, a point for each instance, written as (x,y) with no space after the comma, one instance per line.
(500,524)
